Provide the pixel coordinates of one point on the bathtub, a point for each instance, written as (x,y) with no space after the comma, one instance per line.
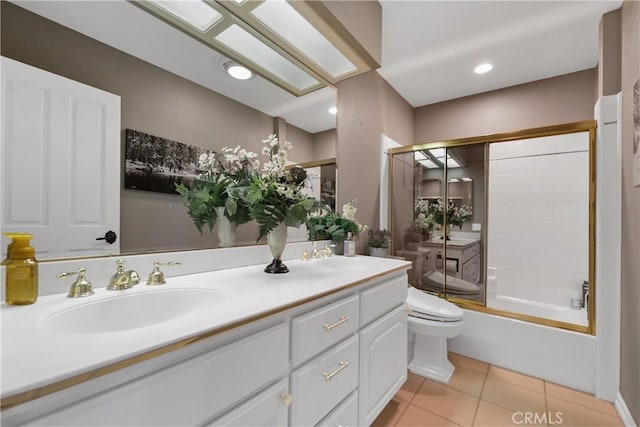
(553,354)
(539,309)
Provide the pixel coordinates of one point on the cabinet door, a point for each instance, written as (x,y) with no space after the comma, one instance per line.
(471,270)
(269,408)
(60,162)
(383,363)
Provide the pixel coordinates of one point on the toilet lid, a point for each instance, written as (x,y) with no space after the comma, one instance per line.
(429,305)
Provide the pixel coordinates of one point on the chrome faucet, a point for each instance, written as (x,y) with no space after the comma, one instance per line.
(122,280)
(585,293)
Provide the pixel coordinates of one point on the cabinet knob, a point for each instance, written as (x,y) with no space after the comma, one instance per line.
(286,399)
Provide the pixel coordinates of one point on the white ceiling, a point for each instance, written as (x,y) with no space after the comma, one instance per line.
(429,49)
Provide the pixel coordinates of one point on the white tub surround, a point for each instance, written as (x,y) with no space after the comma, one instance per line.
(553,354)
(250,325)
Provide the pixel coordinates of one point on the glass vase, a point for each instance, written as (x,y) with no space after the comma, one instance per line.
(226,229)
(446,232)
(277,240)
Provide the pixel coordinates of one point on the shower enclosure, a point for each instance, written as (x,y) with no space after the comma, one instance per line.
(501,223)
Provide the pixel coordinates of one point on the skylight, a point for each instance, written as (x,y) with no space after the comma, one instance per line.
(195,13)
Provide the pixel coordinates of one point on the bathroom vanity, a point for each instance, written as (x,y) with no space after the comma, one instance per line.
(323,345)
(463,257)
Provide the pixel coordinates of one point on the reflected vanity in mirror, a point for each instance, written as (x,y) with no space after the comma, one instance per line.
(515,236)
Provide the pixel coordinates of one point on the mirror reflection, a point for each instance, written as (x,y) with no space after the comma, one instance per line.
(443,239)
(520,245)
(158,103)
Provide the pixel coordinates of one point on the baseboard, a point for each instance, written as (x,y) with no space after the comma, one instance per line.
(624,413)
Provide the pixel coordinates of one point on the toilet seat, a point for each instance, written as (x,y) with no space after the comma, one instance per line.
(430,307)
(435,280)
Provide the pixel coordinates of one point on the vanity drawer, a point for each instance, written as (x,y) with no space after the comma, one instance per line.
(381,299)
(346,414)
(321,384)
(190,392)
(318,330)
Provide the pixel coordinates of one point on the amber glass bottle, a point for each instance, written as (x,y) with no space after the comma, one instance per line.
(21,270)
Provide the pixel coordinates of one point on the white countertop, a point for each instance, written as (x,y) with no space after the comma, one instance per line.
(34,357)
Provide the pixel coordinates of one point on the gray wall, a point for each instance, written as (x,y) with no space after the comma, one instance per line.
(324,144)
(153,101)
(630,298)
(557,100)
(367,107)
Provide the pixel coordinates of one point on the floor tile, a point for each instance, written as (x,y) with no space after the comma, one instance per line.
(446,402)
(390,414)
(416,416)
(460,361)
(517,378)
(467,381)
(580,398)
(576,415)
(410,387)
(512,396)
(490,415)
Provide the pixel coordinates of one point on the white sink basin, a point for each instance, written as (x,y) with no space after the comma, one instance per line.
(131,311)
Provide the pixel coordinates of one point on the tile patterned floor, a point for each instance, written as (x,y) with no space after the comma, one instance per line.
(480,394)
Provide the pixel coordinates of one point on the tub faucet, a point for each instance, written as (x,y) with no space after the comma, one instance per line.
(585,293)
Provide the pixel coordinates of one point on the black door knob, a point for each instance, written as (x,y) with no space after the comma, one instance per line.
(109,236)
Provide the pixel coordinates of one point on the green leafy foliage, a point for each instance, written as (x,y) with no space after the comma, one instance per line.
(379,239)
(330,226)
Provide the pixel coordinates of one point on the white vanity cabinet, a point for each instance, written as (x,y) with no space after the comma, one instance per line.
(269,408)
(371,362)
(191,392)
(335,360)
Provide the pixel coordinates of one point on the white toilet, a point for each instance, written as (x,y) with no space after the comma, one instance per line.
(432,320)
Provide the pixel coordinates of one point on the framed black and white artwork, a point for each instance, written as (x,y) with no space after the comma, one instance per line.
(158,164)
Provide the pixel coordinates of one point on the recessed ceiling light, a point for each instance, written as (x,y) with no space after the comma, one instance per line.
(333,110)
(483,68)
(237,71)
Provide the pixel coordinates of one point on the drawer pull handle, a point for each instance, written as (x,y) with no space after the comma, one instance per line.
(338,323)
(343,365)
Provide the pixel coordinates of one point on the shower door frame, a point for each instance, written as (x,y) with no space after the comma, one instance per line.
(589,126)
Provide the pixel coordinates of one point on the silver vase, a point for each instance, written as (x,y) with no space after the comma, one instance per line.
(226,229)
(277,239)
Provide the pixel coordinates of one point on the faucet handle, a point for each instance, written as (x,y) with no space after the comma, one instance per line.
(156,277)
(81,287)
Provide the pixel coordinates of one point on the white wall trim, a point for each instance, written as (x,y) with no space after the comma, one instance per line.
(608,245)
(623,411)
(385,144)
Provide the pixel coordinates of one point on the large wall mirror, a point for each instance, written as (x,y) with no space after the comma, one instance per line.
(166,104)
(502,223)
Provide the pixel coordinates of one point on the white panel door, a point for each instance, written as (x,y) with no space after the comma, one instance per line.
(60,160)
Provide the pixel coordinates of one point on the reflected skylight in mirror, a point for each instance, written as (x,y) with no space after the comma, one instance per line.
(250,47)
(451,163)
(195,13)
(285,21)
